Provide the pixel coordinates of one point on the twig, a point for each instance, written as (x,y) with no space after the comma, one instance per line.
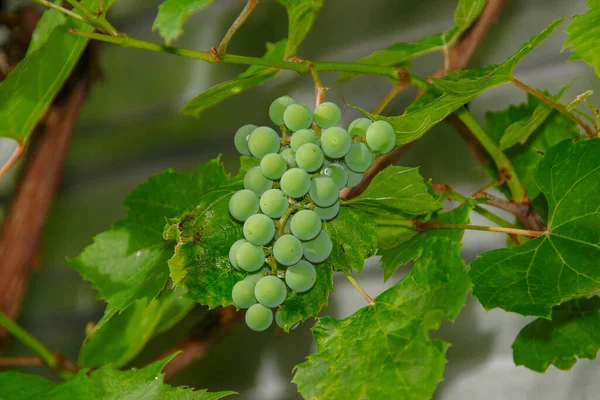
(360,290)
(320,91)
(100,22)
(397,89)
(523,211)
(439,225)
(22,361)
(239,21)
(63,10)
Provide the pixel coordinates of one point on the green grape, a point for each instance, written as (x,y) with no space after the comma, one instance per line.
(328,213)
(262,141)
(270,291)
(240,140)
(289,156)
(323,191)
(255,180)
(255,277)
(359,158)
(301,277)
(274,203)
(309,157)
(327,115)
(259,229)
(306,224)
(249,257)
(381,137)
(354,178)
(295,182)
(303,136)
(279,320)
(243,294)
(297,116)
(233,252)
(318,249)
(337,172)
(259,317)
(359,126)
(277,108)
(287,250)
(335,142)
(243,204)
(272,166)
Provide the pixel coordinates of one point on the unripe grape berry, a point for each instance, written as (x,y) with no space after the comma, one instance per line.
(274,203)
(327,115)
(289,157)
(359,158)
(240,140)
(318,250)
(303,136)
(277,108)
(262,141)
(272,166)
(309,157)
(249,257)
(279,320)
(243,294)
(255,278)
(287,250)
(270,291)
(255,180)
(359,126)
(259,229)
(301,277)
(295,182)
(297,116)
(233,252)
(354,178)
(381,137)
(243,204)
(337,172)
(335,142)
(306,224)
(259,317)
(324,191)
(328,213)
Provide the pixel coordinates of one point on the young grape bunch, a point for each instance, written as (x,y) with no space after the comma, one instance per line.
(289,199)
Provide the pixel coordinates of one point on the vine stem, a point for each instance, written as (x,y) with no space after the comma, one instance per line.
(300,66)
(239,21)
(514,231)
(397,89)
(557,105)
(283,221)
(21,361)
(360,290)
(63,10)
(97,21)
(320,91)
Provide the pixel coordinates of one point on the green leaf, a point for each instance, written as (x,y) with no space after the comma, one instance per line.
(253,76)
(51,19)
(103,384)
(467,11)
(563,263)
(384,351)
(172,14)
(301,15)
(118,338)
(584,37)
(28,91)
(572,332)
(450,93)
(129,261)
(397,191)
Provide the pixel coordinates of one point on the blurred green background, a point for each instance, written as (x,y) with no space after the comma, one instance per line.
(131,129)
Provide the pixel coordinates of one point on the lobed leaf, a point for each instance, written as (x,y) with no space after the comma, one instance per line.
(562,264)
(301,15)
(172,15)
(584,36)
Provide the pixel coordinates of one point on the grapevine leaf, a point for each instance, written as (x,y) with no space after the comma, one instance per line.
(129,261)
(562,264)
(467,11)
(384,351)
(118,338)
(51,19)
(28,91)
(453,91)
(354,239)
(172,14)
(301,15)
(572,332)
(397,191)
(584,37)
(253,76)
(105,383)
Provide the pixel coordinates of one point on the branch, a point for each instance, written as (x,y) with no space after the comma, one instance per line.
(320,91)
(526,215)
(22,361)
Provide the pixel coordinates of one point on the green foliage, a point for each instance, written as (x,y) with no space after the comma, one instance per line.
(562,264)
(572,332)
(253,76)
(172,14)
(102,384)
(51,19)
(584,36)
(302,15)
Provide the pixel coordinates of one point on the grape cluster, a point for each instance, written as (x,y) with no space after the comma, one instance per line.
(289,194)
